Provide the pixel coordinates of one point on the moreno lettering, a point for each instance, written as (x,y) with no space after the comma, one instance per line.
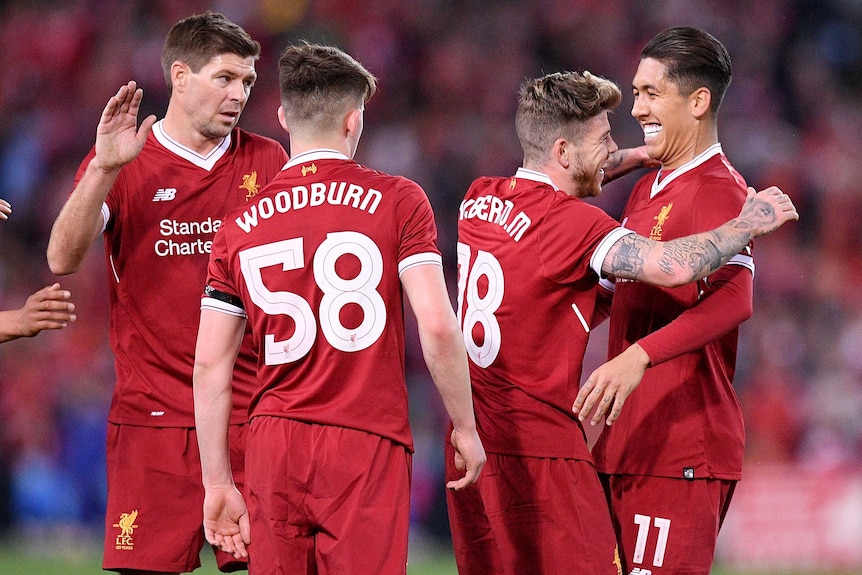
(493,210)
(313,195)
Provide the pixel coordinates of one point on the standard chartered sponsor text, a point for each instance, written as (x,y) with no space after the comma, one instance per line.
(300,197)
(176,244)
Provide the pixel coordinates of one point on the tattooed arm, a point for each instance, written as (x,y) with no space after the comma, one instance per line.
(671,264)
(690,258)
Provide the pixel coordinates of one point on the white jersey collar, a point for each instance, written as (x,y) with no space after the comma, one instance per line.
(658,186)
(206,162)
(526,174)
(315,155)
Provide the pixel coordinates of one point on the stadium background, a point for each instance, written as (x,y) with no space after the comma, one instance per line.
(449,72)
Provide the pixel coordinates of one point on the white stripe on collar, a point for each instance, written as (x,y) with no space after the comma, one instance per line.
(658,186)
(314,155)
(526,174)
(206,162)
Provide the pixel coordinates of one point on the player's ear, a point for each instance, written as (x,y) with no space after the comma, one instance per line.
(179,74)
(282,120)
(701,100)
(352,121)
(560,153)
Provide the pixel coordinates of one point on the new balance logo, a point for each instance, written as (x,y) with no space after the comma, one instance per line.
(165,194)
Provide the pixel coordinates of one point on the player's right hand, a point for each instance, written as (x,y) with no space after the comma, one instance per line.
(118,138)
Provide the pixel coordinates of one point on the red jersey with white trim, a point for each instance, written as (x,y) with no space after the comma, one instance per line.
(529,258)
(684,419)
(314,263)
(161,215)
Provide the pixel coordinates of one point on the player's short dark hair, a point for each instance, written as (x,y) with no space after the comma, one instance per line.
(557,106)
(197,39)
(693,59)
(319,83)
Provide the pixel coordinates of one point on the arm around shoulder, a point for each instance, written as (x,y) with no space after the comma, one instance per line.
(684,260)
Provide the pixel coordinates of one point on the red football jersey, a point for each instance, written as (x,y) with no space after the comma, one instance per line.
(315,261)
(529,258)
(161,215)
(684,419)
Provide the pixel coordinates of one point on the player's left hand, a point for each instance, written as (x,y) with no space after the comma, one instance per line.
(5,209)
(610,384)
(766,211)
(469,457)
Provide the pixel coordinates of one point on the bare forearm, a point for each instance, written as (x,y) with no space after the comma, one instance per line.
(625,161)
(79,221)
(212,414)
(690,258)
(447,363)
(676,262)
(9,326)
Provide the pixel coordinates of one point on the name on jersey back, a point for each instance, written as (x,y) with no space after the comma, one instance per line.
(313,195)
(493,210)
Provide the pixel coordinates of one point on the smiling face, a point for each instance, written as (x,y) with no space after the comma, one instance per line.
(590,154)
(213,98)
(670,128)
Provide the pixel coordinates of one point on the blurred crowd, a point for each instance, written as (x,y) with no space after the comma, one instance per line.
(449,73)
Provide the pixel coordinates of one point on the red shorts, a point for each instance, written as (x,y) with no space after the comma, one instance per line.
(325,499)
(154,515)
(531,515)
(667,525)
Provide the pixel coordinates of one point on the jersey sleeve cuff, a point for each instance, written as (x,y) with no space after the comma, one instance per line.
(222,302)
(426,258)
(605,246)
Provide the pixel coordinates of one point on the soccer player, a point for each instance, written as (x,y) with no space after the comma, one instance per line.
(530,253)
(45,309)
(157,193)
(672,456)
(319,264)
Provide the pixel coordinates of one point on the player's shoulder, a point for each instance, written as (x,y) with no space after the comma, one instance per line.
(482,184)
(382,181)
(718,176)
(244,138)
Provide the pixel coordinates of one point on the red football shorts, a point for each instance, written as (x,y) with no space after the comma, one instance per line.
(531,515)
(154,515)
(667,525)
(326,500)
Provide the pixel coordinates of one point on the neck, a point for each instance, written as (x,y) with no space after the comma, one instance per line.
(179,131)
(557,175)
(705,136)
(300,145)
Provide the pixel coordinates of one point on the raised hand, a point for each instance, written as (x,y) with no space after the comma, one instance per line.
(5,209)
(766,211)
(118,138)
